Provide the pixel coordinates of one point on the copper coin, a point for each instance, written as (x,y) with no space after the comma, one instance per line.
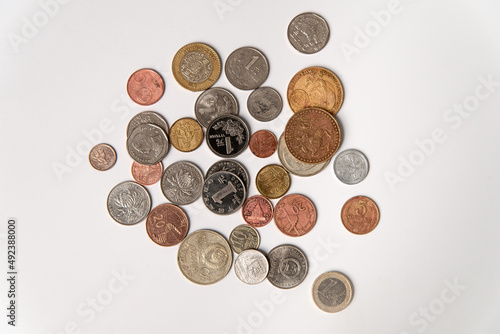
(312,135)
(360,215)
(102,157)
(263,143)
(295,215)
(145,86)
(167,224)
(257,211)
(147,174)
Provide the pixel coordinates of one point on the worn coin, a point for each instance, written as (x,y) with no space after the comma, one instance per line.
(288,266)
(147,174)
(233,166)
(145,86)
(251,266)
(295,215)
(244,237)
(272,181)
(213,103)
(182,182)
(308,33)
(296,166)
(351,166)
(257,211)
(247,68)
(186,134)
(332,291)
(263,143)
(128,203)
(227,136)
(223,193)
(149,117)
(147,144)
(264,104)
(102,157)
(167,224)
(360,215)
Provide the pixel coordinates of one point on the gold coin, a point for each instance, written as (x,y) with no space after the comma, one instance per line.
(332,291)
(196,66)
(273,181)
(186,134)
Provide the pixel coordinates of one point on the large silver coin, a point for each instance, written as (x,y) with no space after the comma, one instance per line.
(227,136)
(147,117)
(251,266)
(128,203)
(224,193)
(351,166)
(265,104)
(308,32)
(288,266)
(233,166)
(246,68)
(244,237)
(295,166)
(332,291)
(214,102)
(147,144)
(182,182)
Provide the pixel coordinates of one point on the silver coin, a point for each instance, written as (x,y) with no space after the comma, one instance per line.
(224,193)
(332,291)
(244,237)
(227,136)
(232,166)
(182,182)
(294,165)
(288,266)
(251,266)
(128,203)
(147,117)
(351,166)
(308,32)
(246,68)
(214,102)
(265,104)
(147,144)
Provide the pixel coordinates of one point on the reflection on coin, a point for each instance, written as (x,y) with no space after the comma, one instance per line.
(149,117)
(244,237)
(223,193)
(147,144)
(360,215)
(263,143)
(182,182)
(351,166)
(257,211)
(296,166)
(147,174)
(272,181)
(247,68)
(332,291)
(102,157)
(167,225)
(186,134)
(145,86)
(264,104)
(227,136)
(233,166)
(213,103)
(128,203)
(288,266)
(251,266)
(204,257)
(308,33)
(295,215)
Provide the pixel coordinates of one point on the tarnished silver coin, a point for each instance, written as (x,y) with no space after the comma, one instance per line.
(244,237)
(251,266)
(308,32)
(224,193)
(128,203)
(246,68)
(288,266)
(182,182)
(204,257)
(214,102)
(233,166)
(147,117)
(147,144)
(227,136)
(332,291)
(351,166)
(265,104)
(294,165)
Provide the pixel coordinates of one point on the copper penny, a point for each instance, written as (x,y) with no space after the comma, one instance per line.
(147,174)
(263,143)
(102,157)
(295,215)
(186,134)
(312,135)
(257,211)
(273,181)
(360,215)
(167,224)
(145,86)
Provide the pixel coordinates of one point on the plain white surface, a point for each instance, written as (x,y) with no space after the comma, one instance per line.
(438,227)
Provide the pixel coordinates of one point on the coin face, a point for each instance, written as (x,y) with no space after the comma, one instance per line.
(308,33)
(227,136)
(332,291)
(312,135)
(147,144)
(247,68)
(147,117)
(233,166)
(244,237)
(167,225)
(251,266)
(351,166)
(264,104)
(186,134)
(182,182)
(315,87)
(223,193)
(147,174)
(145,87)
(295,215)
(295,166)
(128,203)
(213,103)
(196,66)
(360,215)
(257,211)
(272,181)
(263,143)
(288,266)
(102,157)
(204,257)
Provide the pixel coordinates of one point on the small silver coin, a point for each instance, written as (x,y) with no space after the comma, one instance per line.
(308,33)
(128,203)
(288,266)
(265,104)
(223,193)
(351,166)
(246,68)
(214,102)
(294,165)
(227,136)
(232,166)
(147,144)
(251,266)
(182,182)
(147,117)
(244,237)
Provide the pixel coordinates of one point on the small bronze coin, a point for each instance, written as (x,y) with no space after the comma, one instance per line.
(244,237)
(257,211)
(295,215)
(102,157)
(360,215)
(147,174)
(186,134)
(272,181)
(263,143)
(145,86)
(332,291)
(167,224)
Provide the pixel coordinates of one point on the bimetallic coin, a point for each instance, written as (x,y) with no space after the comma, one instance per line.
(147,174)
(233,166)
(332,291)
(145,86)
(295,215)
(265,104)
(223,193)
(128,203)
(257,211)
(360,215)
(204,257)
(186,134)
(147,144)
(308,33)
(296,166)
(213,103)
(147,117)
(351,166)
(263,143)
(244,237)
(102,157)
(288,266)
(182,182)
(167,225)
(227,136)
(251,266)
(247,68)
(272,181)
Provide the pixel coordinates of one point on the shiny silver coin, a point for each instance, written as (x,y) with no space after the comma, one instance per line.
(233,166)
(265,104)
(251,266)
(246,68)
(308,32)
(295,166)
(182,182)
(224,193)
(288,266)
(244,237)
(147,117)
(128,203)
(214,102)
(147,144)
(351,166)
(227,136)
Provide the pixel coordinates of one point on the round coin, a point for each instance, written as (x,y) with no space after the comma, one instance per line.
(295,215)
(244,237)
(332,291)
(272,181)
(360,215)
(251,266)
(147,174)
(263,143)
(128,203)
(102,157)
(288,266)
(264,104)
(147,144)
(167,225)
(351,166)
(186,134)
(308,33)
(296,166)
(246,68)
(213,103)
(257,211)
(233,166)
(147,117)
(223,193)
(145,86)
(227,136)
(182,182)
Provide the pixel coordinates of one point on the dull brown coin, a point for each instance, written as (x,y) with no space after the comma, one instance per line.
(147,174)
(295,215)
(360,215)
(257,211)
(145,86)
(186,134)
(263,143)
(102,157)
(167,224)
(272,181)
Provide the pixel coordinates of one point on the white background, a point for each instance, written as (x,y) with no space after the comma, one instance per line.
(438,226)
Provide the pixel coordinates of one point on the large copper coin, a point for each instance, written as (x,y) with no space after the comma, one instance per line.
(167,224)
(145,86)
(360,215)
(312,135)
(147,174)
(272,181)
(257,211)
(263,143)
(186,134)
(102,157)
(295,215)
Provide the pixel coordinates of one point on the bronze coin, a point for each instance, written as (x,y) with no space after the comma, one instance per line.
(186,134)
(295,215)
(257,211)
(147,174)
(145,86)
(263,143)
(360,215)
(102,157)
(272,181)
(167,224)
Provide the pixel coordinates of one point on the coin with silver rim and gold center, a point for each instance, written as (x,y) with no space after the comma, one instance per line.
(332,291)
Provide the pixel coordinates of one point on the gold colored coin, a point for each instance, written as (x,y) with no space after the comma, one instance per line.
(273,181)
(332,291)
(186,134)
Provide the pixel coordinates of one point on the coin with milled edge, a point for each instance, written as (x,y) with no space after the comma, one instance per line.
(223,193)
(182,182)
(128,203)
(102,157)
(145,86)
(308,33)
(257,211)
(332,291)
(147,174)
(360,215)
(227,136)
(251,266)
(295,166)
(264,104)
(147,144)
(351,166)
(244,237)
(295,215)
(186,134)
(263,143)
(167,225)
(233,166)
(272,181)
(147,117)
(288,266)
(246,68)
(213,103)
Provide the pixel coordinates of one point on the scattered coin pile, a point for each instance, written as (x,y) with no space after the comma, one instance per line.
(310,139)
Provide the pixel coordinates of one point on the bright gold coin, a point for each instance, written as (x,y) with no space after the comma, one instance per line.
(273,181)
(186,134)
(332,291)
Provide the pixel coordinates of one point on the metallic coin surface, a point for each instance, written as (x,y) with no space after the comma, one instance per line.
(102,157)
(147,117)
(265,104)
(147,144)
(351,166)
(227,136)
(251,266)
(145,86)
(244,237)
(233,166)
(204,257)
(257,211)
(288,266)
(315,87)
(147,174)
(295,215)
(360,215)
(272,181)
(263,143)
(296,166)
(186,134)
(312,135)
(196,66)
(213,103)
(332,291)
(308,33)
(128,203)
(182,182)
(246,68)
(223,193)
(167,225)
